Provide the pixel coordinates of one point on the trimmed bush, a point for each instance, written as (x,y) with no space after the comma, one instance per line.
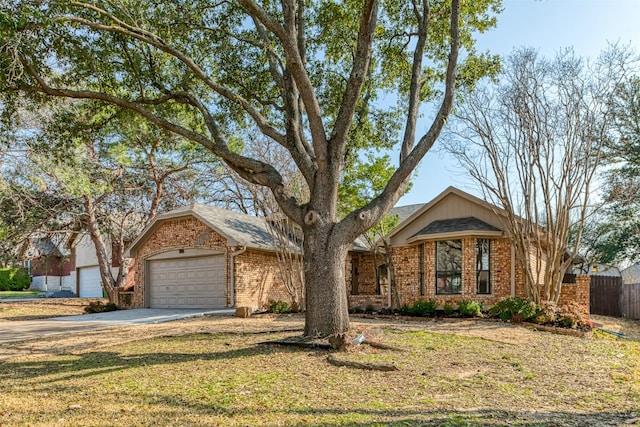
(573,315)
(357,310)
(448,309)
(421,308)
(470,309)
(279,307)
(14,279)
(514,308)
(546,314)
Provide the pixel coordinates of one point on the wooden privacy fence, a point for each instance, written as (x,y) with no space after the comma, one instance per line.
(610,297)
(631,301)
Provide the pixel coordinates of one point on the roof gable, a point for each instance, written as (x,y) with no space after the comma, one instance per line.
(447,214)
(237,228)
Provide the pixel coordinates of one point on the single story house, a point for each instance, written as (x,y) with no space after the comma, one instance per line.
(451,249)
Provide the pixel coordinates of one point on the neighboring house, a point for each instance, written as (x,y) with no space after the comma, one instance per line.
(87,270)
(631,275)
(50,261)
(597,270)
(450,249)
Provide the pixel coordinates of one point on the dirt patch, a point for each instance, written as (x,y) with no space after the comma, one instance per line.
(11,311)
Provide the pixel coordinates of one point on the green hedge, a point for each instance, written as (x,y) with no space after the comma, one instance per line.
(14,279)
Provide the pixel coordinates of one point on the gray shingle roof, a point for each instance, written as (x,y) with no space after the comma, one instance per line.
(243,229)
(456,225)
(405,212)
(252,231)
(631,275)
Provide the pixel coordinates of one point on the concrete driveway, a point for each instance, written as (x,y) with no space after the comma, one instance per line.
(33,329)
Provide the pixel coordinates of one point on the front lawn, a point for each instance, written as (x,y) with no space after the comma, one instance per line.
(212,378)
(18,294)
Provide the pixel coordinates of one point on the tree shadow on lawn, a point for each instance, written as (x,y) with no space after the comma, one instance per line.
(392,417)
(98,363)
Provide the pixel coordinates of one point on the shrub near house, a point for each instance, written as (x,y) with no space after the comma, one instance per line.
(14,279)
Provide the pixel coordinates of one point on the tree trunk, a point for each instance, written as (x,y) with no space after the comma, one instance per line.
(324,272)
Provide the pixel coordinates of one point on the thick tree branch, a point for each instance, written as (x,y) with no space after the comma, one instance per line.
(416,79)
(288,37)
(363,219)
(154,40)
(353,90)
(251,169)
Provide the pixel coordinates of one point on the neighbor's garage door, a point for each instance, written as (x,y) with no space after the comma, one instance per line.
(89,282)
(187,282)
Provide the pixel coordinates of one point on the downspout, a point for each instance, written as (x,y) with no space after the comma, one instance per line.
(513,271)
(388,287)
(232,269)
(389,261)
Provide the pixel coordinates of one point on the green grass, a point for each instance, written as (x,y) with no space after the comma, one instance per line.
(231,379)
(18,294)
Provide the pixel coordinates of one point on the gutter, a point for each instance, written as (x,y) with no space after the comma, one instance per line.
(232,269)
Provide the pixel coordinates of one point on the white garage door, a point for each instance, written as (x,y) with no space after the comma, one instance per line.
(187,282)
(89,282)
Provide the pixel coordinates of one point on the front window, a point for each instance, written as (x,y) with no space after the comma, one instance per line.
(449,267)
(483,249)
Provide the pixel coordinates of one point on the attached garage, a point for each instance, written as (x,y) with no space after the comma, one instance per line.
(187,282)
(204,257)
(89,282)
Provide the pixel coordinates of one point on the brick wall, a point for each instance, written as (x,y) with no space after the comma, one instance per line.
(407,266)
(53,266)
(578,292)
(256,273)
(366,272)
(258,280)
(376,302)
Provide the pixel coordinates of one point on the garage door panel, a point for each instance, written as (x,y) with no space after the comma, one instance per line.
(187,282)
(89,282)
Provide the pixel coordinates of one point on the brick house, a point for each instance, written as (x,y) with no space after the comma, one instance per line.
(450,249)
(203,256)
(50,261)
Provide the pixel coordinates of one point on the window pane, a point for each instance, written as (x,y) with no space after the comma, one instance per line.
(449,267)
(449,254)
(483,283)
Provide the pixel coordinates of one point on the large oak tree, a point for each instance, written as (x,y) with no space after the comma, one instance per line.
(330,81)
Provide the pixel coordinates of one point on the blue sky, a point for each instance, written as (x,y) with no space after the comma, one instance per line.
(547,25)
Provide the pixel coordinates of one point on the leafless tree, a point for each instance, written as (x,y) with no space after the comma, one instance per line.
(533,143)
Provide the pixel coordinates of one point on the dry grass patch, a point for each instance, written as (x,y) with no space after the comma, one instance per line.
(214,372)
(43,309)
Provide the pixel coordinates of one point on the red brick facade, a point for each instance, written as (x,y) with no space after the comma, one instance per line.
(406,260)
(256,275)
(258,280)
(53,265)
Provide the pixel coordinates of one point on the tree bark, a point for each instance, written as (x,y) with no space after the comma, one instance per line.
(324,272)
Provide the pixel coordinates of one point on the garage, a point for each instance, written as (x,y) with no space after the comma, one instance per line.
(187,282)
(89,282)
